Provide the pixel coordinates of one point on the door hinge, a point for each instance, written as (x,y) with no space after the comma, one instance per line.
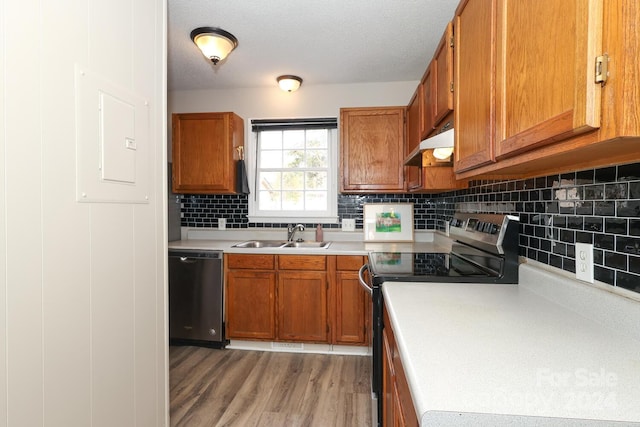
(602,69)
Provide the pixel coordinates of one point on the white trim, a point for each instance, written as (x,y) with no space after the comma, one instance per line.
(293,218)
(352,350)
(328,217)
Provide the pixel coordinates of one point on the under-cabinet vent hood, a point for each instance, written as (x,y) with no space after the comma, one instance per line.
(442,140)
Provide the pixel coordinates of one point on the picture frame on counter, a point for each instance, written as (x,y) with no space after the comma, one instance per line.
(388,222)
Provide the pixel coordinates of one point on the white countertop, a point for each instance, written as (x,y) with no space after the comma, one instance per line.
(341,243)
(518,354)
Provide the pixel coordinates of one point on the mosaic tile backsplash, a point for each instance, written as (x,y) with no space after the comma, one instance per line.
(598,206)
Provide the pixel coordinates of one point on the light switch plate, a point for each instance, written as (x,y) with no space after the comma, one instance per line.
(348,224)
(584,262)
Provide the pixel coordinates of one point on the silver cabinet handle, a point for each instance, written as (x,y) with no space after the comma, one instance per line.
(363,283)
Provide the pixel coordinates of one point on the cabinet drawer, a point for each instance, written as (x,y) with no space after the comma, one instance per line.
(349,262)
(250,262)
(302,262)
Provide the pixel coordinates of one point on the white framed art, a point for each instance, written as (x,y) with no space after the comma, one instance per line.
(388,222)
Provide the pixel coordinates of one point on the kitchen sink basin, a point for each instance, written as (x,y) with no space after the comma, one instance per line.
(261,244)
(257,244)
(307,245)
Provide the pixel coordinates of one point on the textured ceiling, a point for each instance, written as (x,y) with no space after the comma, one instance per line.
(322,41)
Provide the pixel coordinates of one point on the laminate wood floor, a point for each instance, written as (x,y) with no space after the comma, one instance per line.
(251,388)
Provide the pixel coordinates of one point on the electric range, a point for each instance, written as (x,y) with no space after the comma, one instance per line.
(484,250)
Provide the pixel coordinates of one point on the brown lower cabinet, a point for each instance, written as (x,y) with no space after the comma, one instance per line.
(352,304)
(301,308)
(250,297)
(397,406)
(297,298)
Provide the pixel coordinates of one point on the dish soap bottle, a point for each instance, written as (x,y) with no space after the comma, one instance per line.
(319,233)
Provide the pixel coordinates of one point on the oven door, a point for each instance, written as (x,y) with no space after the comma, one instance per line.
(373,287)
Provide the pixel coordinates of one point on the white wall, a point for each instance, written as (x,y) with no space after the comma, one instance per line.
(82,285)
(308,101)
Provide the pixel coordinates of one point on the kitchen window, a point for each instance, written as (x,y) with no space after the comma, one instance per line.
(295,170)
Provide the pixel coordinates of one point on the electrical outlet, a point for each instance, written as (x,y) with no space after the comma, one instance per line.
(584,262)
(348,224)
(222,223)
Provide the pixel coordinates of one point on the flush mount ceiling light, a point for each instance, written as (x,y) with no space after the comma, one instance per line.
(289,83)
(214,43)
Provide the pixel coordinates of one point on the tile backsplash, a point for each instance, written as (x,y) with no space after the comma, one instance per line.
(598,206)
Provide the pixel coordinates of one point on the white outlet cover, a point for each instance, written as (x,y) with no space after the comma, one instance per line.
(348,224)
(584,262)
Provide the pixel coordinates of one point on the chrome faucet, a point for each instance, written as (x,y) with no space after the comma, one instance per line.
(291,231)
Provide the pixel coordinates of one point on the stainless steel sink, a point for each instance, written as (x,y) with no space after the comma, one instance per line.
(257,244)
(261,244)
(308,245)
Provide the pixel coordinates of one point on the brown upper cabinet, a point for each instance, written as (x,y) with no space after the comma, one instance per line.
(442,65)
(436,85)
(532,90)
(205,152)
(427,100)
(430,107)
(546,89)
(372,150)
(413,175)
(474,82)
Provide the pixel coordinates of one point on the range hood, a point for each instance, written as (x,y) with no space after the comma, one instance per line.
(443,139)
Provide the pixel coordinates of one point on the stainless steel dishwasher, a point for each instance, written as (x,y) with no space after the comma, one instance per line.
(196,298)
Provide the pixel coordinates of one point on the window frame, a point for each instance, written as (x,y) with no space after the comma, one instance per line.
(330,216)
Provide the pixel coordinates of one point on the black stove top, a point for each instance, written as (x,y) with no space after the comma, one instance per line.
(485,251)
(425,267)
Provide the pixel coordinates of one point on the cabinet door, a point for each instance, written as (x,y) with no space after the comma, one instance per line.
(474,84)
(546,88)
(398,419)
(204,152)
(389,404)
(428,101)
(437,179)
(443,69)
(372,150)
(414,127)
(250,302)
(302,306)
(351,310)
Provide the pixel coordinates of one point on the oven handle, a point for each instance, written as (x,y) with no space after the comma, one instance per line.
(363,283)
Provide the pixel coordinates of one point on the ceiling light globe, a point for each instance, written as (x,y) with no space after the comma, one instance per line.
(214,43)
(289,83)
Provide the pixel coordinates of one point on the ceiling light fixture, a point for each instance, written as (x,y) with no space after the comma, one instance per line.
(289,83)
(214,43)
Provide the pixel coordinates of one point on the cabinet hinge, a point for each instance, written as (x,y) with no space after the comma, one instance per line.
(602,69)
(451,87)
(451,42)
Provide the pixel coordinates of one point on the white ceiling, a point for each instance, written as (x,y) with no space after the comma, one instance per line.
(322,41)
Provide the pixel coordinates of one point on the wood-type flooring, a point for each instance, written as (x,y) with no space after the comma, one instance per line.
(252,388)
